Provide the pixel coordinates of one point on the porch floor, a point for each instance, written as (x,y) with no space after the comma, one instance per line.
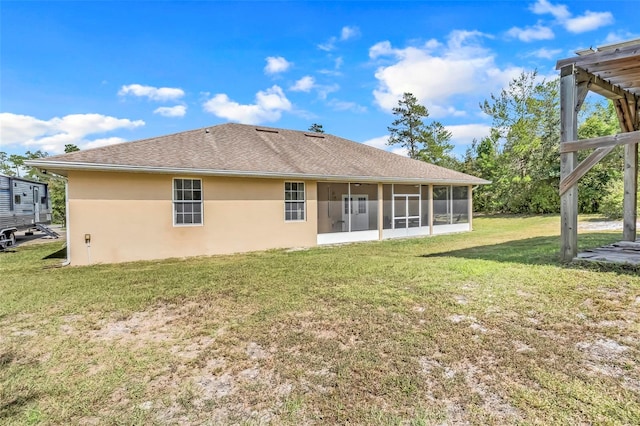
(627,252)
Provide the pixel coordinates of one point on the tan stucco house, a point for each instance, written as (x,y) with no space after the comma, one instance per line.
(237,188)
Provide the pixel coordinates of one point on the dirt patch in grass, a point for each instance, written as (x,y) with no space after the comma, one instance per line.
(205,378)
(600,225)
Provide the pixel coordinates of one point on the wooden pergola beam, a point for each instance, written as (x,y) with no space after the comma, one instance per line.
(582,169)
(624,64)
(600,142)
(626,52)
(601,86)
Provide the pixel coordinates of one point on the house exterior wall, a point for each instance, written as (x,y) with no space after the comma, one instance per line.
(129,217)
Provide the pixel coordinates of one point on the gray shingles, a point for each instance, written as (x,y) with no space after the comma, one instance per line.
(239,148)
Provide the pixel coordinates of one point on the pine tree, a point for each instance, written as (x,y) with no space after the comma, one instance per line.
(430,143)
(317,128)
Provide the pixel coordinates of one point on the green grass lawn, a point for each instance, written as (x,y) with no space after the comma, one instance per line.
(481,328)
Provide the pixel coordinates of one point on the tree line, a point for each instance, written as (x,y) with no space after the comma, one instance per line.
(520,156)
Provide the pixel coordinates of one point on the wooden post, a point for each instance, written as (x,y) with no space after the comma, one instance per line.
(568,161)
(630,201)
(630,191)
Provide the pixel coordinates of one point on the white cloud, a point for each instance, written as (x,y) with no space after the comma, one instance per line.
(381,143)
(276,65)
(445,111)
(588,22)
(462,67)
(325,90)
(268,107)
(52,135)
(346,33)
(545,53)
(174,111)
(462,41)
(328,46)
(463,134)
(346,106)
(97,143)
(337,64)
(153,93)
(305,84)
(382,48)
(619,36)
(537,32)
(542,7)
(349,33)
(579,24)
(400,151)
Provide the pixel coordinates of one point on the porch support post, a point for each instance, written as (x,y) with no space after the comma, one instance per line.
(470,206)
(569,106)
(380,212)
(430,209)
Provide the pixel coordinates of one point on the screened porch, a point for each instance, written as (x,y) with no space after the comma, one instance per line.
(349,212)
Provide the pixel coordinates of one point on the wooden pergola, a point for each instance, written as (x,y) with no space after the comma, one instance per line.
(612,71)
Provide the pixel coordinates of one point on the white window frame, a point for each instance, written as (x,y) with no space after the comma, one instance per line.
(176,202)
(289,201)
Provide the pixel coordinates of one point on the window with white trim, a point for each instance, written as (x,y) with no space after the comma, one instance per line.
(294,201)
(187,202)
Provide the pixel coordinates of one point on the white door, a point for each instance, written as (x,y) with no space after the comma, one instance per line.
(355,210)
(36,205)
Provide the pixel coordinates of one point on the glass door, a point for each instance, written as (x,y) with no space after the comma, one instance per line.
(406,212)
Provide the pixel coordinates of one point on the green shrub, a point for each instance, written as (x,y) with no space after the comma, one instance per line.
(612,202)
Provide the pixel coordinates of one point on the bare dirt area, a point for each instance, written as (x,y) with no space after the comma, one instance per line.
(600,225)
(232,383)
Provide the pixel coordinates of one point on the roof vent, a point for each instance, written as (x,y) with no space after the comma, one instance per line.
(206,130)
(314,135)
(266,130)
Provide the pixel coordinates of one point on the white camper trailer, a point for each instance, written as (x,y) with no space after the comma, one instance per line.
(24,205)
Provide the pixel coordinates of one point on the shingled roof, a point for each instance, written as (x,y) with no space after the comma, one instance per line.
(245,150)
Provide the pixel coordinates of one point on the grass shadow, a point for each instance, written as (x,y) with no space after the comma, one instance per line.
(13,402)
(529,251)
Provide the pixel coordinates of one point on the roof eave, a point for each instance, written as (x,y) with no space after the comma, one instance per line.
(57,166)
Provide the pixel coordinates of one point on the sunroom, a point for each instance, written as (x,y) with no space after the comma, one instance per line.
(352,211)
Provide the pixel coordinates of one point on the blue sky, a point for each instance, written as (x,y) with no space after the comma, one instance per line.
(97,73)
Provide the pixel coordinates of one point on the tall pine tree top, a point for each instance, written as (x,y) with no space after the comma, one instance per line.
(430,143)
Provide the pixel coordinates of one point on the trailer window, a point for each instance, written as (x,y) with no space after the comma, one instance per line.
(17,199)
